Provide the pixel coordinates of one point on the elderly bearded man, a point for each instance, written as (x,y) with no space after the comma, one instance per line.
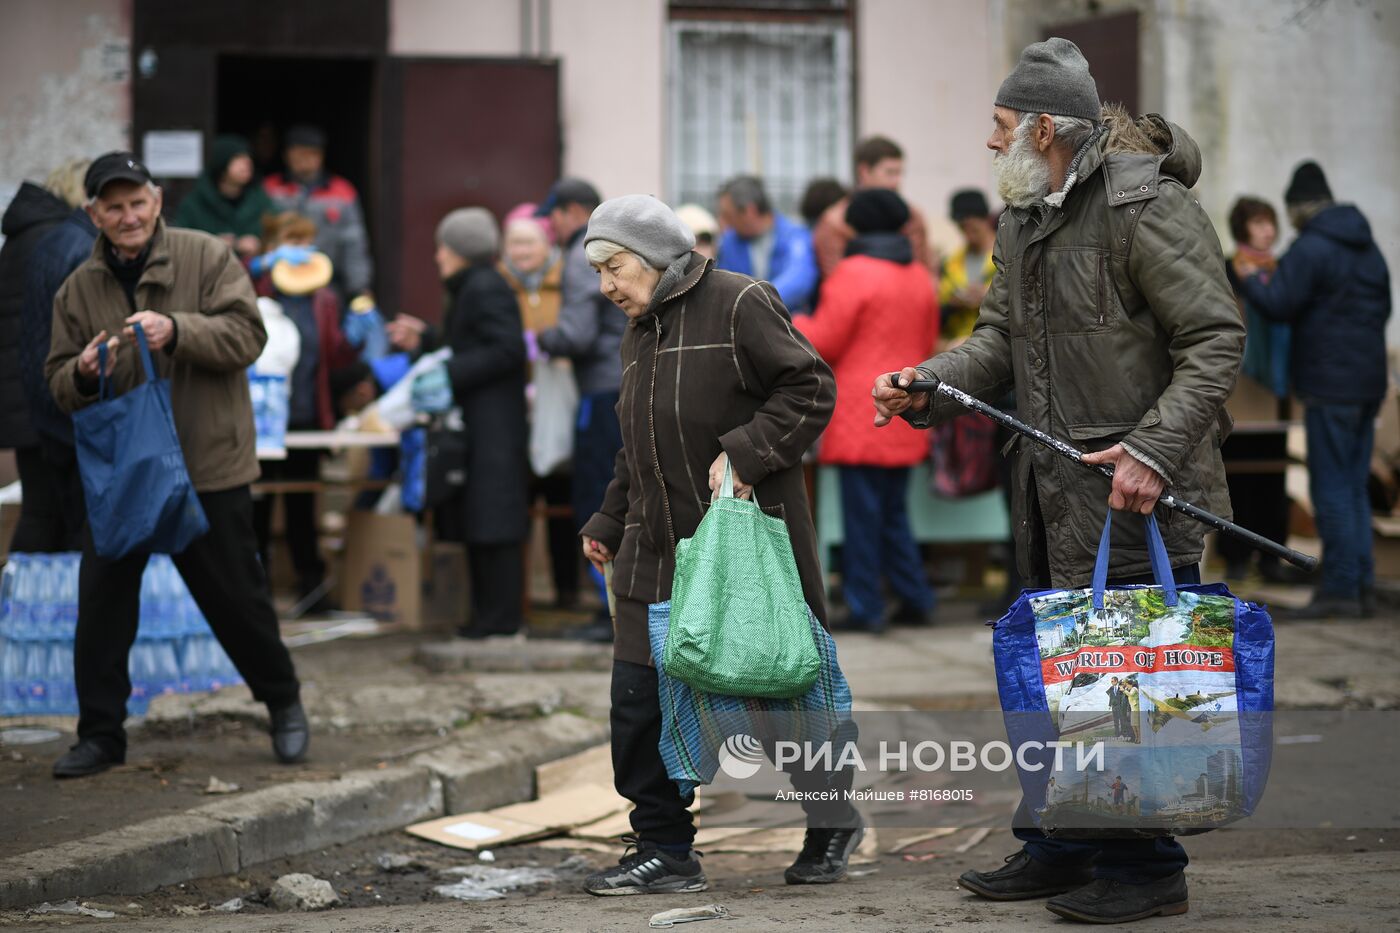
(195,303)
(1110,316)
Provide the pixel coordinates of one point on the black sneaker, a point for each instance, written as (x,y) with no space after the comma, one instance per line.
(1105,901)
(824,856)
(1023,878)
(87,757)
(647,869)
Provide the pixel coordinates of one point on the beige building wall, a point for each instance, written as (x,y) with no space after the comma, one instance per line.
(612,76)
(927,71)
(64,69)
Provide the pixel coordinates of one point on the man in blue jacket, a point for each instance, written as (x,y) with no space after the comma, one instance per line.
(763,244)
(1333,285)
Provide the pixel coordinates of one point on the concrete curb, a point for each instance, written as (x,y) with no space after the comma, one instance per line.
(492,766)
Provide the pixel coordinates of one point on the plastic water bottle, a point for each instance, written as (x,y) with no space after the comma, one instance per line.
(194,665)
(44,612)
(141,668)
(21,595)
(222,673)
(8,619)
(13,698)
(35,678)
(68,594)
(166,666)
(63,697)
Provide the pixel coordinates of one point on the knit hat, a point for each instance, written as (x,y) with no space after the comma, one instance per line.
(224,150)
(470,232)
(643,225)
(1308,184)
(877,210)
(1051,77)
(969,202)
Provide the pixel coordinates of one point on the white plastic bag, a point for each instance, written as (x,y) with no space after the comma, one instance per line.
(556,410)
(283,348)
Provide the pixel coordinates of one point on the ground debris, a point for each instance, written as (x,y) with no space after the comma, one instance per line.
(73,908)
(216,786)
(300,891)
(397,863)
(669,918)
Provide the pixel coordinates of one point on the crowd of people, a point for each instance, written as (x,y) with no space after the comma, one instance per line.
(684,347)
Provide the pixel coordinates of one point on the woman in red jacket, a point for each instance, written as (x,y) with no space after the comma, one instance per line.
(877,307)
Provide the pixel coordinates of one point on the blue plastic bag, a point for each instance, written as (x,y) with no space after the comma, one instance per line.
(139,495)
(1174,682)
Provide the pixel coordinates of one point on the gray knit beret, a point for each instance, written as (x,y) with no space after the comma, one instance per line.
(471,233)
(1052,77)
(642,224)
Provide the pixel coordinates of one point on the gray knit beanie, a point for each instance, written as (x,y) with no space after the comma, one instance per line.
(1052,77)
(471,233)
(643,225)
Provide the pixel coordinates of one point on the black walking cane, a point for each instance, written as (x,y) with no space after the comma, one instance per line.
(1258,541)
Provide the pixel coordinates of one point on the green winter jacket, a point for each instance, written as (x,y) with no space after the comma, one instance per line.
(1112,320)
(208,210)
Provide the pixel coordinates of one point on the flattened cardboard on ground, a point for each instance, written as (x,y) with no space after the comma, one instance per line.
(590,766)
(519,822)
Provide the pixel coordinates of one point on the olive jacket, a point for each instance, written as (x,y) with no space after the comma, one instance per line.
(196,280)
(1111,318)
(715,365)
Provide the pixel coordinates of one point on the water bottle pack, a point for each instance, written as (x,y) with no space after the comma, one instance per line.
(271,398)
(175,652)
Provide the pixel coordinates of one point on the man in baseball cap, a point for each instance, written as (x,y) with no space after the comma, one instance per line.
(114,166)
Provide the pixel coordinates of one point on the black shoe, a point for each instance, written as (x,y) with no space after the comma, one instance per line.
(87,757)
(1023,878)
(647,869)
(824,856)
(1321,609)
(1368,602)
(1105,901)
(291,733)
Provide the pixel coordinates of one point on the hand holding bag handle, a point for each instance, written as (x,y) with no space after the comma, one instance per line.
(726,487)
(1156,553)
(146,362)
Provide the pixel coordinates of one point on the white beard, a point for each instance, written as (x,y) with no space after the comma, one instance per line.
(1022,173)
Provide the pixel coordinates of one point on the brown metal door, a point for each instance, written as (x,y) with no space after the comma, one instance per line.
(457,133)
(1110,43)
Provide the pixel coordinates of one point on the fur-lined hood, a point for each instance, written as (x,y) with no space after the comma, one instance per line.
(1151,135)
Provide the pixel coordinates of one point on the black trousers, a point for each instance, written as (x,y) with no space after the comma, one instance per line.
(299,509)
(660,813)
(227,582)
(498,588)
(558,489)
(52,513)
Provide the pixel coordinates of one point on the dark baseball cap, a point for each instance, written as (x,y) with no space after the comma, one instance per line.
(304,134)
(114,166)
(568,191)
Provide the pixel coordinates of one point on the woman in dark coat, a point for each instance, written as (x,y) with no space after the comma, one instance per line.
(487,372)
(713,372)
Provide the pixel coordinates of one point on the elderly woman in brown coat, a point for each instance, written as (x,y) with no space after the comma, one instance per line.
(713,372)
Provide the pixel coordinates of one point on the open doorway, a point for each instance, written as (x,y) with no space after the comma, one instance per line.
(261,96)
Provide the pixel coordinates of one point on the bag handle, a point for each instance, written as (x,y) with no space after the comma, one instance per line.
(146,362)
(726,489)
(102,371)
(145,349)
(1156,553)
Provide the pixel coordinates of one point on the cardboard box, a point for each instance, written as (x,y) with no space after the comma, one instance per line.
(447,587)
(382,570)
